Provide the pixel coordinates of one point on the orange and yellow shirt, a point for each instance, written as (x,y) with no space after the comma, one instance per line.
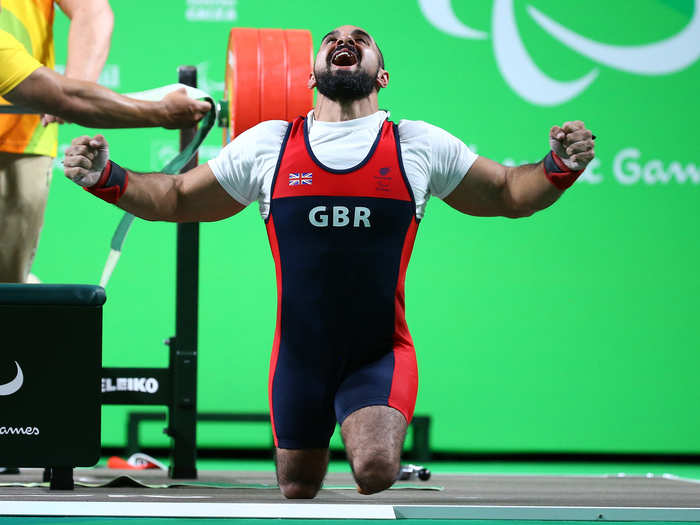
(30,22)
(17,64)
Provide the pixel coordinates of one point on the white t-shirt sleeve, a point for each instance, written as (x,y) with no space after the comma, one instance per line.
(239,167)
(450,159)
(435,161)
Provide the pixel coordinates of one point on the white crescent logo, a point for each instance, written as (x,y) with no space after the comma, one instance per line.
(660,58)
(518,69)
(13,386)
(441,15)
(527,80)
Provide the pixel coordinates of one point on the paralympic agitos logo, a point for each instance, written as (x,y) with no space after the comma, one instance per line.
(7,389)
(663,57)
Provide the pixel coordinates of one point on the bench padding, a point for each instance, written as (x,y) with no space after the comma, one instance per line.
(52,294)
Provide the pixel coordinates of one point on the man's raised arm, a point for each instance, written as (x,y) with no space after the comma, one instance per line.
(491,189)
(194,196)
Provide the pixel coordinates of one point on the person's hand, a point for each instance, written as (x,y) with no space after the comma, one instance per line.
(85,159)
(48,119)
(573,143)
(181,111)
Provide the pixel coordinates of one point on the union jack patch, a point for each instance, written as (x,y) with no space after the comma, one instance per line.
(295,179)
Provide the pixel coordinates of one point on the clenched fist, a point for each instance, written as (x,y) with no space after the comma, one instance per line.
(85,159)
(573,143)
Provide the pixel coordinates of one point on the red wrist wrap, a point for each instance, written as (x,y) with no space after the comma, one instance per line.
(112,183)
(558,173)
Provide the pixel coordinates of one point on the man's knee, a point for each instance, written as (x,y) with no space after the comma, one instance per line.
(299,490)
(375,473)
(300,472)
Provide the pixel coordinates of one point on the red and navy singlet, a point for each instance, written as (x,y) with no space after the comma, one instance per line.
(341,240)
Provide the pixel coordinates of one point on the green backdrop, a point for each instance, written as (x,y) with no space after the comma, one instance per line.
(574,330)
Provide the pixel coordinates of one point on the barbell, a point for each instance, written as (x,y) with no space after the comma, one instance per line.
(265,79)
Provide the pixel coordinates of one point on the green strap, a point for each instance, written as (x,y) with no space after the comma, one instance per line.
(171,168)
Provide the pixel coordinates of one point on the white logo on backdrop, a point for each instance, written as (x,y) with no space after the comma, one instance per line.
(527,80)
(205,80)
(13,386)
(211,11)
(629,167)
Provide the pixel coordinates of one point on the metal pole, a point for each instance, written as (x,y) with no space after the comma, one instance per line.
(183,347)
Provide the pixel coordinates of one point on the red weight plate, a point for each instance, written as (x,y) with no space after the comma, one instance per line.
(300,56)
(273,75)
(243,80)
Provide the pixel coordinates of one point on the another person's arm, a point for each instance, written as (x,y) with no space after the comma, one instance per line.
(92,105)
(194,196)
(491,189)
(89,36)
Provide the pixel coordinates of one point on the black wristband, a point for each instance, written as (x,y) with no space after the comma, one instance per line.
(111,184)
(559,173)
(116,175)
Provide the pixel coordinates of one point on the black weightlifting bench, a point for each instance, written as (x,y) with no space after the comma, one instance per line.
(50,367)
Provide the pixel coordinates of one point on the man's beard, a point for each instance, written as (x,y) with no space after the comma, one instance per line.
(345,86)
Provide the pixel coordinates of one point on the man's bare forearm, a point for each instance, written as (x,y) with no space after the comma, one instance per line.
(85,103)
(194,196)
(152,196)
(92,105)
(529,190)
(491,189)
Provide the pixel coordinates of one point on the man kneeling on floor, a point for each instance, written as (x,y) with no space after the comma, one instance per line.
(341,191)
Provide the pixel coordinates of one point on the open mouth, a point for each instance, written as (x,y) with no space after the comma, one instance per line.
(344,57)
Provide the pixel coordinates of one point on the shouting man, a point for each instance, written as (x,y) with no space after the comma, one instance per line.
(342,191)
